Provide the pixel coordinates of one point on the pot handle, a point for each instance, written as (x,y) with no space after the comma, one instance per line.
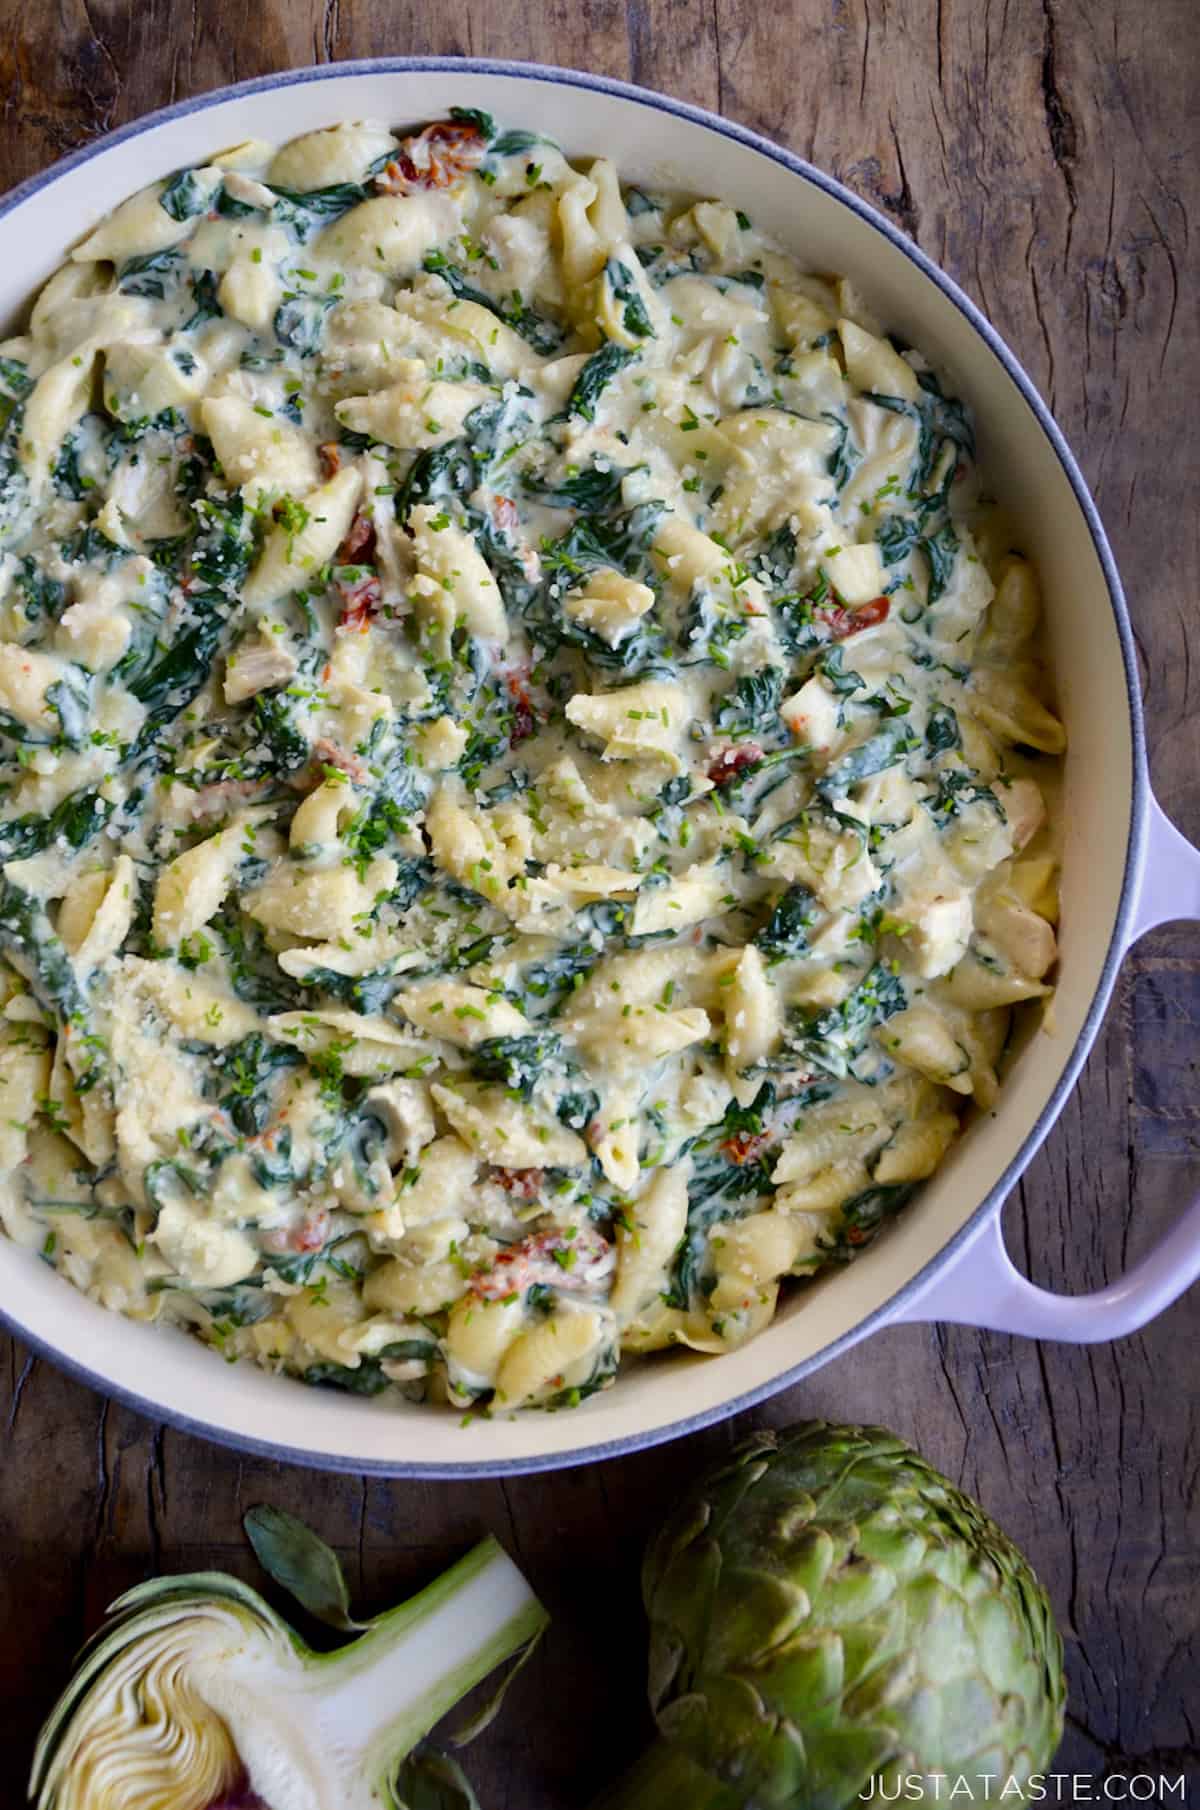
(981,1286)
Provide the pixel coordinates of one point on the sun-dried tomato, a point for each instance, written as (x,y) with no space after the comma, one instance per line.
(525,1183)
(507,520)
(360,601)
(746,1146)
(358,543)
(330,755)
(732,761)
(442,154)
(843,621)
(309,1235)
(505,514)
(524,719)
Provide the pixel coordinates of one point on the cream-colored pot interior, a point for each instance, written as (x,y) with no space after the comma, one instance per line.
(169,1374)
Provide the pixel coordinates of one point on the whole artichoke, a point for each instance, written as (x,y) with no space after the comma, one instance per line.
(827,1611)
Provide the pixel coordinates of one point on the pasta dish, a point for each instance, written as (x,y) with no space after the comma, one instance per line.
(523,766)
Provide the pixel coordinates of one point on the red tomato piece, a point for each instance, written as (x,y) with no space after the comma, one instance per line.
(524,1183)
(442,154)
(360,601)
(358,545)
(732,761)
(843,621)
(746,1146)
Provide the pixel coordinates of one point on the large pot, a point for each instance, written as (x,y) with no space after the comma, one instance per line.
(1125,868)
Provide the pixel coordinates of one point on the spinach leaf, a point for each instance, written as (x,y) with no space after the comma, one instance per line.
(254,974)
(369,993)
(324,204)
(752,707)
(941,731)
(900,535)
(896,537)
(230,207)
(940,550)
(76,819)
(495,430)
(832,667)
(29,942)
(845,455)
(170,682)
(637,202)
(560,972)
(204,295)
(786,930)
(860,1218)
(543,335)
(184,197)
(489,734)
(150,274)
(65,474)
(634,317)
(44,597)
(224,543)
(718,1190)
(577,1108)
(886,748)
(92,546)
(796,621)
(513,143)
(595,377)
(483,122)
(775,559)
(946,415)
(275,725)
(832,1039)
(70,698)
(958,788)
(15,378)
(416,875)
(300,322)
(400,791)
(246,1072)
(709,628)
(439,472)
(516,1062)
(591,490)
(367,1379)
(622,540)
(939,418)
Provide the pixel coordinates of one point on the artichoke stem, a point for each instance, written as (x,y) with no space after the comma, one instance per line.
(666,1779)
(389,1688)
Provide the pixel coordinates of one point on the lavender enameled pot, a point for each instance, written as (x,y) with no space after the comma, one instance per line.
(1125,869)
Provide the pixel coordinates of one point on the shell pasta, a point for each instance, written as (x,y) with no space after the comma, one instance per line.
(525,754)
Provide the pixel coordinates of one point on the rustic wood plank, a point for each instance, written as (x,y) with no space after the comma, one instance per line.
(1046,155)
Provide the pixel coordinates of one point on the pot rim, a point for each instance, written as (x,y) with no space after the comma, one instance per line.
(993,1200)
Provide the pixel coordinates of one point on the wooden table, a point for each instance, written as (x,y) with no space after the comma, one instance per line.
(1046,153)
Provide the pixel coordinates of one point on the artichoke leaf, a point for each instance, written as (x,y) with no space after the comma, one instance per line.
(753,1612)
(486,1714)
(302,1564)
(432,1781)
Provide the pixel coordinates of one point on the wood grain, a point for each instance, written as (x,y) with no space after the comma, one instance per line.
(1045,152)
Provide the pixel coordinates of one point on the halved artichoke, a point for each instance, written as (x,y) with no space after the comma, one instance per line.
(196,1695)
